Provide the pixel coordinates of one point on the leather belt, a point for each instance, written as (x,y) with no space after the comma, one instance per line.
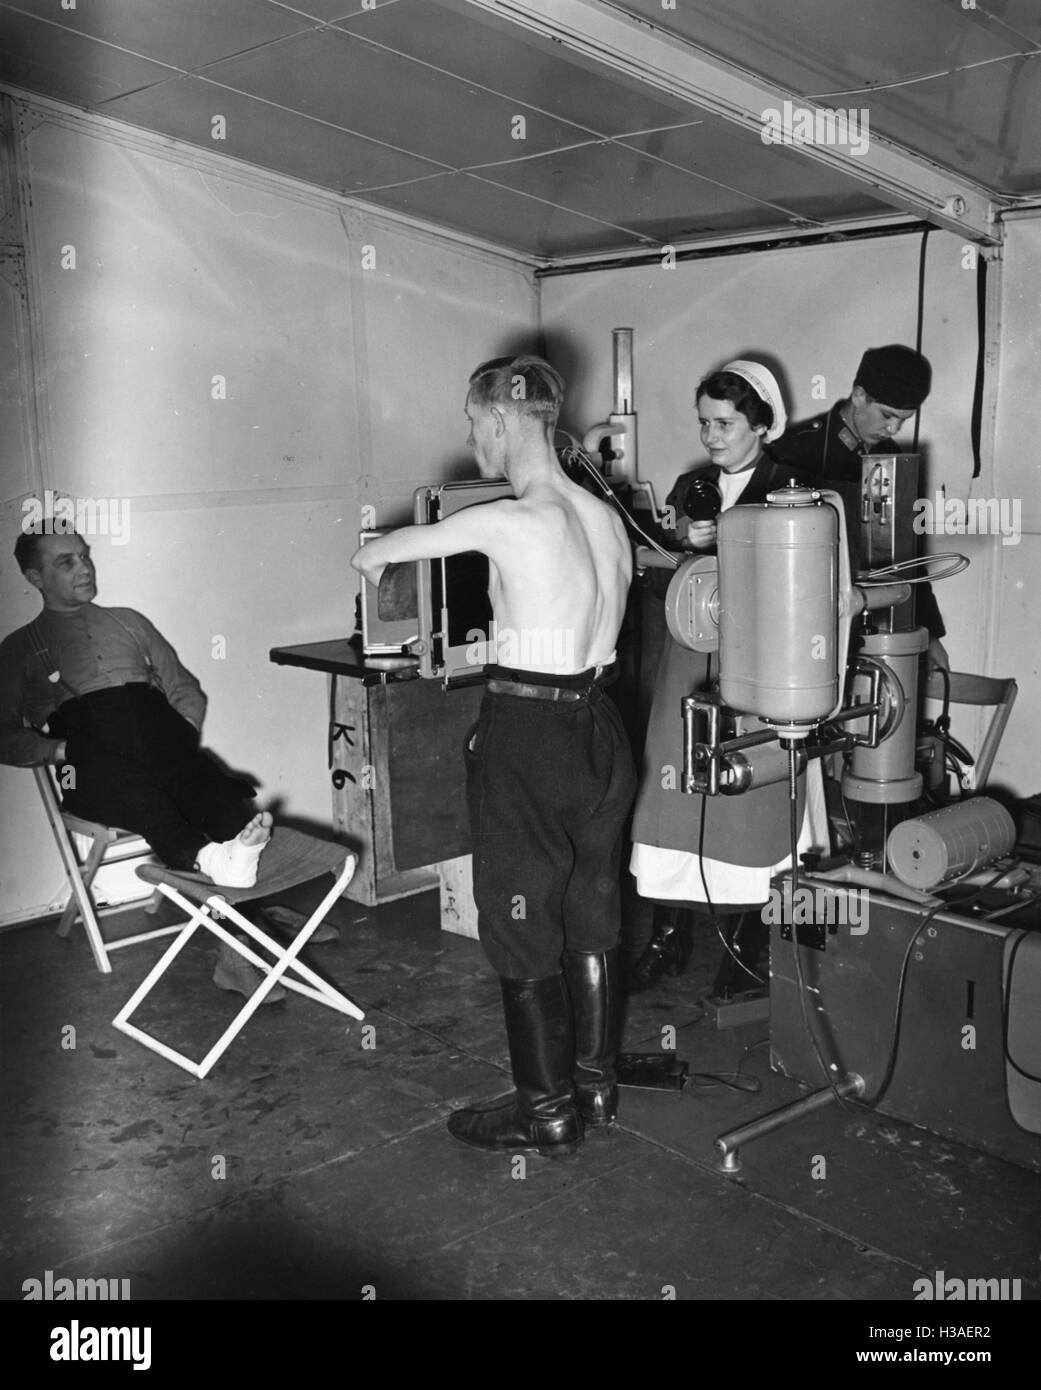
(535,692)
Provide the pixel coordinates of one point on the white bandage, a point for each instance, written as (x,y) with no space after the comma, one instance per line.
(232,864)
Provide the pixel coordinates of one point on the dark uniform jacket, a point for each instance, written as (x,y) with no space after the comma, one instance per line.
(824,447)
(826,450)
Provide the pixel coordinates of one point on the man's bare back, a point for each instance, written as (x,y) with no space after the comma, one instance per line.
(558,586)
(560,564)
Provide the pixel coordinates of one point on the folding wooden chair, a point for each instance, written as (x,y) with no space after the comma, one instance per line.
(965,689)
(292,858)
(108,845)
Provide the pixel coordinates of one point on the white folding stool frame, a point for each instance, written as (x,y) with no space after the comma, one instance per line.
(202,915)
(109,846)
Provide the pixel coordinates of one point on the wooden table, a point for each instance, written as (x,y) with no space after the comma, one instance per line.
(396,767)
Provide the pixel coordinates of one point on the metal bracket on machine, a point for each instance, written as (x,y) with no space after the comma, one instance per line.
(692,604)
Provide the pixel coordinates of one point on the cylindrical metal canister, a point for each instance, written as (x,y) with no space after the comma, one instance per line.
(945,844)
(778,600)
(886,775)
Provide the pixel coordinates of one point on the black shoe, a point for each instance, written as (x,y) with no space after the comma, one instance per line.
(593,981)
(667,952)
(540,1117)
(747,935)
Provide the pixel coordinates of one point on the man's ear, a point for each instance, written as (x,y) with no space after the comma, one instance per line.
(35,578)
(859,397)
(500,421)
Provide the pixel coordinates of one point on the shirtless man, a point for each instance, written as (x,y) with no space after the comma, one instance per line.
(550,777)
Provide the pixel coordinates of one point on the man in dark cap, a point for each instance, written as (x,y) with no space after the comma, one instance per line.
(890,385)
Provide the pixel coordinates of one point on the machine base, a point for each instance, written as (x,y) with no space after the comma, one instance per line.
(955,1049)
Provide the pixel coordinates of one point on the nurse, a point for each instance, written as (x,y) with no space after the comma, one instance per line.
(721,850)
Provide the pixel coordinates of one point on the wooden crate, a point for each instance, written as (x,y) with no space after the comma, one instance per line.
(458,909)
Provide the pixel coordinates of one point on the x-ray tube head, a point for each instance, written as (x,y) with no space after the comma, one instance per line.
(779,609)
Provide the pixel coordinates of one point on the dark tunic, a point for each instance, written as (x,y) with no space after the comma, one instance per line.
(829,453)
(108,684)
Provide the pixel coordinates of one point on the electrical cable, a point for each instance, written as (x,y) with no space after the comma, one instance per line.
(701,848)
(976,423)
(704,881)
(750,1085)
(919,321)
(891,1060)
(732,1080)
(793,834)
(1030,1076)
(874,578)
(574,453)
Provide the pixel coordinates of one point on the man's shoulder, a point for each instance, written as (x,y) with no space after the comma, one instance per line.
(16,643)
(814,444)
(802,434)
(813,425)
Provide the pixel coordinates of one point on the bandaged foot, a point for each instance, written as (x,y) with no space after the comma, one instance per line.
(234,863)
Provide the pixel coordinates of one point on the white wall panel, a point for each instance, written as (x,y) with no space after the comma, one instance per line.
(345,385)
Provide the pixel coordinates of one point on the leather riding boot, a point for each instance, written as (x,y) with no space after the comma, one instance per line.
(668,950)
(540,1116)
(746,934)
(593,981)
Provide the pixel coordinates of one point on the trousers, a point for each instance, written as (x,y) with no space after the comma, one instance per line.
(549,787)
(136,764)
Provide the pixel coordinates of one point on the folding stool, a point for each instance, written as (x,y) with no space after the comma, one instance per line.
(292,858)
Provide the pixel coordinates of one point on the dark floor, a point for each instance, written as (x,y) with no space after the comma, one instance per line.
(339,1175)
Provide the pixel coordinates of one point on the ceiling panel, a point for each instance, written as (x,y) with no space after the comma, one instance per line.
(801,44)
(984,123)
(327,10)
(64,65)
(470,204)
(620,185)
(933,75)
(182,33)
(401,103)
(412,105)
(778,177)
(502,57)
(268,137)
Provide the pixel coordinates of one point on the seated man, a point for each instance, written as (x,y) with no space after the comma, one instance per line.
(99,693)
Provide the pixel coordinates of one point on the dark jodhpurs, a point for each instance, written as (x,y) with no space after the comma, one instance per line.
(549,787)
(136,764)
